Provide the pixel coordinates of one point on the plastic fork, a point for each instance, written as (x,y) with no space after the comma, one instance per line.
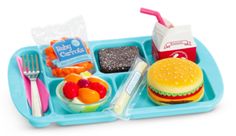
(31,70)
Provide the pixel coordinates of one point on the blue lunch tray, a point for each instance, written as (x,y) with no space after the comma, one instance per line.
(142,106)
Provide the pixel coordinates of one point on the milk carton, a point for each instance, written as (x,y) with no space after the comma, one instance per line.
(175,42)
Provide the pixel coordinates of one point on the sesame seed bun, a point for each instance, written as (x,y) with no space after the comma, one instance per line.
(174,78)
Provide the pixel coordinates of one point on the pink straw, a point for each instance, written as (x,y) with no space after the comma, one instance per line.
(153,13)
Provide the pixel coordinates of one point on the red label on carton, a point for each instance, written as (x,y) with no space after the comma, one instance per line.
(180,53)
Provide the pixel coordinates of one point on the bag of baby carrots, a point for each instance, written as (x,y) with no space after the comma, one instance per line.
(66,49)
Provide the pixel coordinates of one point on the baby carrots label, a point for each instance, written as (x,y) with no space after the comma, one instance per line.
(70,51)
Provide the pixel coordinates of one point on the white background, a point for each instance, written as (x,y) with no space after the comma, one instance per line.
(213,22)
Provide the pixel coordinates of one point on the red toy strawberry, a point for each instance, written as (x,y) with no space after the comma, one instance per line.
(99,88)
(70,90)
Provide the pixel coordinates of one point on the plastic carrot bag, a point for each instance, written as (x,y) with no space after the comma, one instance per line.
(64,47)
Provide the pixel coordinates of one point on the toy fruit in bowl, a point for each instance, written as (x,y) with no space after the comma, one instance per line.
(83,93)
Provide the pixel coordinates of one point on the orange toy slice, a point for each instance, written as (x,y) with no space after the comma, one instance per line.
(88,96)
(73,78)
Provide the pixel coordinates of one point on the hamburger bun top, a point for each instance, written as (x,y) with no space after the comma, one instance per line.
(174,77)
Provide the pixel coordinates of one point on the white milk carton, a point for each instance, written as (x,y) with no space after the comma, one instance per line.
(176,42)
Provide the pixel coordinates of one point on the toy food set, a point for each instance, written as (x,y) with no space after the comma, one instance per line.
(171,41)
(81,82)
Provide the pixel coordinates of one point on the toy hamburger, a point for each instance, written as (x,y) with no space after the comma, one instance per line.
(175,80)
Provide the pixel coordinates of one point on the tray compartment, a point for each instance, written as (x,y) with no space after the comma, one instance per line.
(98,47)
(119,78)
(64,117)
(55,101)
(19,96)
(85,118)
(209,93)
(48,71)
(143,101)
(147,45)
(58,108)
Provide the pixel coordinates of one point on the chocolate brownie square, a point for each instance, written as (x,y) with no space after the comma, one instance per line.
(117,59)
